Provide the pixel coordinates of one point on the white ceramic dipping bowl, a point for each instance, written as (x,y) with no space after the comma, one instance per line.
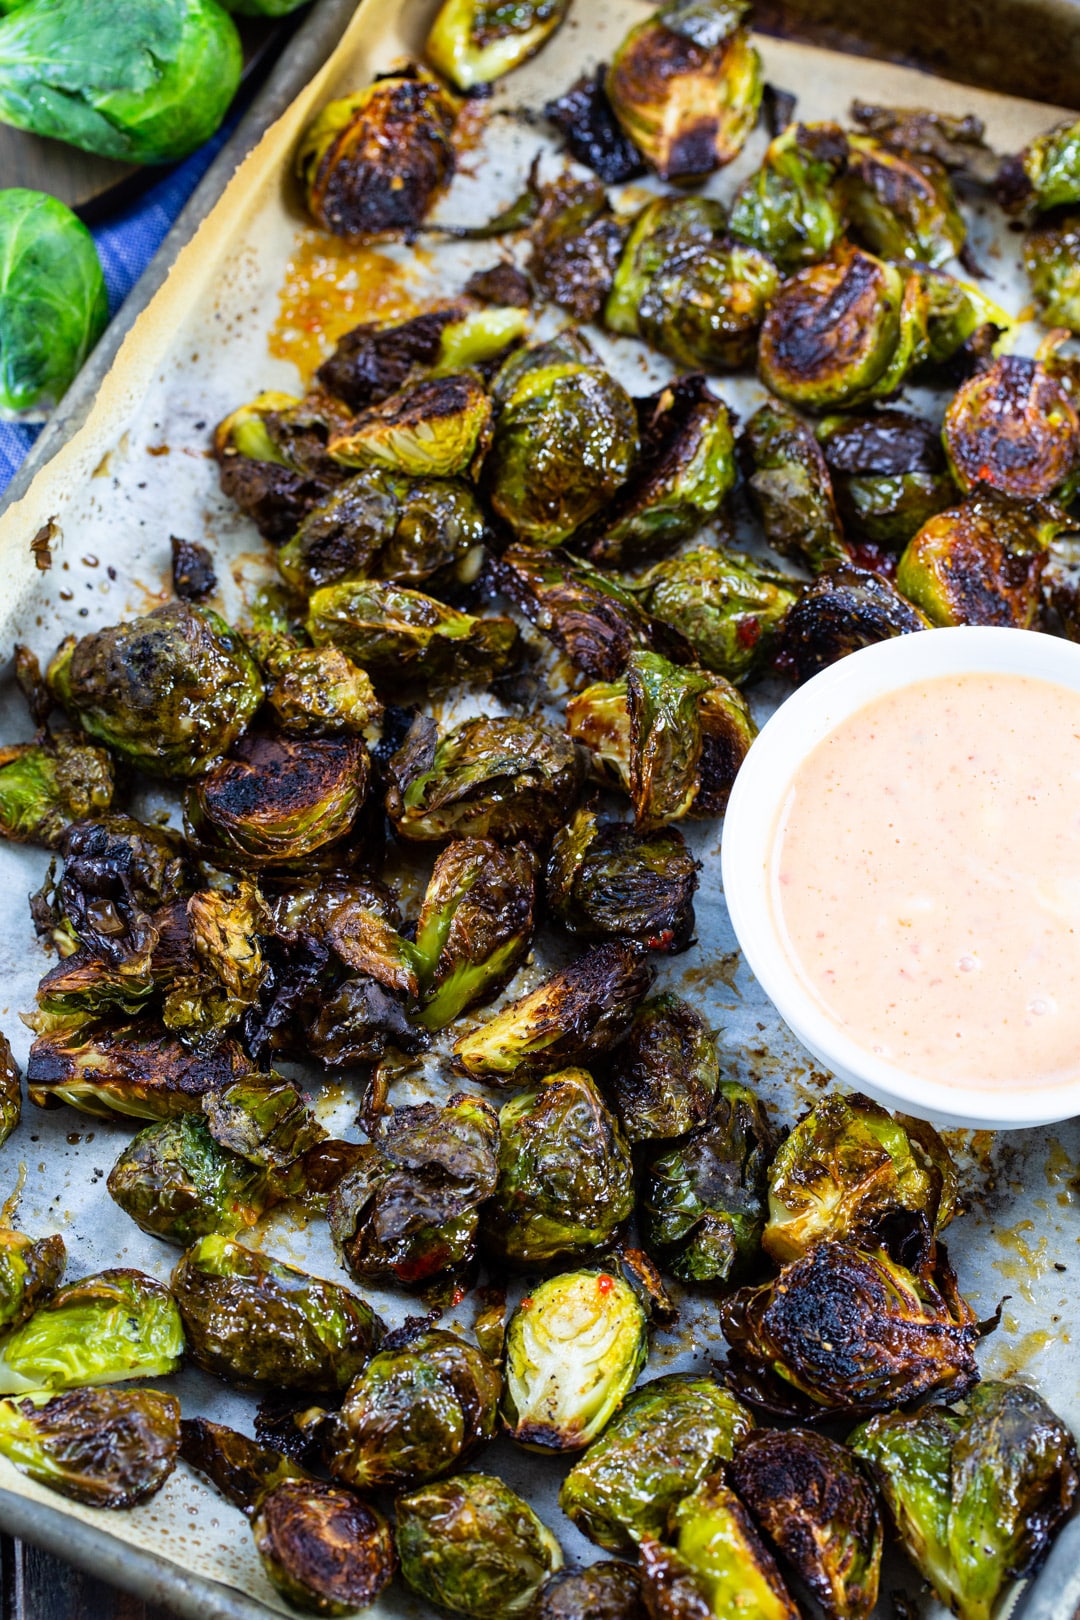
(750,828)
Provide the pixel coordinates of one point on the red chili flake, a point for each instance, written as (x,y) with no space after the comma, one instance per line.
(526,1304)
(457,1296)
(749,632)
(605,1283)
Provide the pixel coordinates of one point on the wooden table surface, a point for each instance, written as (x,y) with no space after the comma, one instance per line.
(36,1586)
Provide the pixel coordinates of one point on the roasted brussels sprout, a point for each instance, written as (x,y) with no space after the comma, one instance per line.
(604,1591)
(792,207)
(408,1211)
(702,1201)
(718,1558)
(791,488)
(378,358)
(613,882)
(586,121)
(813,1502)
(52,295)
(325,1548)
(373,163)
(670,1434)
(177,1183)
(849,1330)
(215,968)
(576,244)
(10,1091)
(255,1320)
(664,1076)
(318,692)
(416,1412)
(475,41)
(583,1008)
(976,1493)
(272,460)
(488,778)
(686,86)
(565,1176)
(106,1448)
(475,925)
(957,141)
(963,326)
(888,474)
(170,691)
(133,1070)
(704,307)
(574,1347)
(730,608)
(359,1024)
(100,1330)
(402,634)
(46,785)
(843,332)
(30,1270)
(471,1545)
(847,608)
(1046,174)
(432,429)
(901,204)
(1014,428)
(160,88)
(981,562)
(667,229)
(1052,261)
(241,1469)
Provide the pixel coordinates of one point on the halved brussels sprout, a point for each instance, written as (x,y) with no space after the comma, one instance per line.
(272,460)
(565,1175)
(583,116)
(44,786)
(435,429)
(106,1448)
(792,207)
(475,925)
(888,474)
(241,1469)
(471,1545)
(30,1270)
(704,307)
(615,882)
(664,1076)
(603,1591)
(574,1346)
(10,1091)
(265,1120)
(957,141)
(102,1329)
(1052,262)
(981,562)
(576,244)
(667,229)
(901,204)
(318,692)
(171,691)
(133,1070)
(730,607)
(963,325)
(324,1547)
(845,609)
(977,1493)
(378,358)
(255,1320)
(815,1505)
(1014,428)
(177,1183)
(671,1433)
(402,634)
(1046,174)
(720,1553)
(686,86)
(416,1412)
(583,1008)
(373,163)
(475,41)
(791,488)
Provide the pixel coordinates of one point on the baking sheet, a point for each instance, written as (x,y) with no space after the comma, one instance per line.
(138,470)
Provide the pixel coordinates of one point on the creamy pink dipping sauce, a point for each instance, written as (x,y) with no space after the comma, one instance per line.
(926,879)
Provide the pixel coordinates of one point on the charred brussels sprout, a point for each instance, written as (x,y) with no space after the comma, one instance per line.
(10,1091)
(849,1164)
(359,1024)
(471,1545)
(849,1330)
(791,488)
(475,925)
(702,1202)
(133,1070)
(117,873)
(957,141)
(901,204)
(686,86)
(888,474)
(488,778)
(432,429)
(409,1210)
(962,324)
(177,1183)
(813,1502)
(664,1076)
(106,1448)
(670,1435)
(475,41)
(574,1347)
(843,332)
(255,1320)
(1052,261)
(402,634)
(377,358)
(1046,174)
(322,1546)
(731,608)
(847,608)
(170,692)
(792,208)
(614,882)
(372,164)
(719,1557)
(981,562)
(565,1176)
(666,229)
(272,459)
(576,243)
(241,1469)
(416,1412)
(100,1330)
(318,692)
(44,786)
(1014,428)
(704,308)
(581,1009)
(30,1270)
(977,1493)
(604,1591)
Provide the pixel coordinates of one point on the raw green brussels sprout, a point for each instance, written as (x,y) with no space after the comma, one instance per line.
(272,460)
(1014,428)
(416,1412)
(849,1164)
(574,1347)
(171,691)
(976,1493)
(845,609)
(730,607)
(888,474)
(408,1211)
(318,692)
(241,1469)
(325,1548)
(581,1009)
(845,1329)
(378,358)
(702,1201)
(791,488)
(475,925)
(901,204)
(686,85)
(603,1591)
(664,1076)
(30,1270)
(1052,262)
(102,1329)
(843,332)
(147,83)
(506,779)
(134,1070)
(255,1320)
(670,1434)
(566,438)
(612,881)
(475,41)
(373,163)
(402,634)
(718,1558)
(815,1505)
(277,799)
(471,1545)
(53,306)
(106,1448)
(981,562)
(792,207)
(177,1183)
(434,429)
(1046,174)
(576,243)
(44,786)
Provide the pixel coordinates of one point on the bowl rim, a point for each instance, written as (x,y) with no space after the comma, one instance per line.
(788,736)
